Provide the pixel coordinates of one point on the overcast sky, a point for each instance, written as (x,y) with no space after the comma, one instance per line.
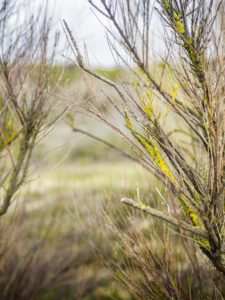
(86,27)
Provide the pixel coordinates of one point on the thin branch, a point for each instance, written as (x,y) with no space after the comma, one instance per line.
(155,213)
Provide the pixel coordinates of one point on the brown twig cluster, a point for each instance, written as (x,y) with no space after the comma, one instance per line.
(25,91)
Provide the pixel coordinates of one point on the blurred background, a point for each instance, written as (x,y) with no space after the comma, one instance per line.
(67,235)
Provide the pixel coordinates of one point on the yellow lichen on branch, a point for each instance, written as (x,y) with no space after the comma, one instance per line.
(146,100)
(179,27)
(151,147)
(189,211)
(192,215)
(153,150)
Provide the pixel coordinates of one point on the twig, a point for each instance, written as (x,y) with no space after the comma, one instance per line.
(155,213)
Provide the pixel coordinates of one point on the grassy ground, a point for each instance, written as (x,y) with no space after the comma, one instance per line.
(55,218)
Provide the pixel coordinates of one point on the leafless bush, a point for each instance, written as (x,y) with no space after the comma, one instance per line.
(25,99)
(189,87)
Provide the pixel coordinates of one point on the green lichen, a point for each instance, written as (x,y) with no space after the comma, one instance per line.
(148,109)
(153,150)
(194,218)
(148,105)
(128,120)
(149,95)
(191,214)
(179,27)
(151,147)
(204,243)
(189,211)
(142,207)
(196,58)
(195,55)
(197,198)
(167,5)
(175,91)
(8,135)
(146,100)
(177,16)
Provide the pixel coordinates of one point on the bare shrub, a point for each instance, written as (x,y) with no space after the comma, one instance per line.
(25,98)
(188,157)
